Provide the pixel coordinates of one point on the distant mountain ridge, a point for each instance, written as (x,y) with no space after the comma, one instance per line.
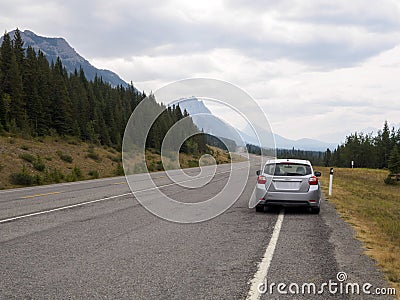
(59,47)
(206,121)
(217,127)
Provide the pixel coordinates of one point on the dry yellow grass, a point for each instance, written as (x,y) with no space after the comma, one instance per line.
(372,208)
(12,148)
(90,159)
(153,159)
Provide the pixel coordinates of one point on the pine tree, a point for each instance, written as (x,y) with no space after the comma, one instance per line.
(328,158)
(4,110)
(39,99)
(61,108)
(394,161)
(18,47)
(5,54)
(383,144)
(33,102)
(44,123)
(17,106)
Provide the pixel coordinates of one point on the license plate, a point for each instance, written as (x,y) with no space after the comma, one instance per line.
(287,185)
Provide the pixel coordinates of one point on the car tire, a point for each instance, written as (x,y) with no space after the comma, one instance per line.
(260,208)
(315,210)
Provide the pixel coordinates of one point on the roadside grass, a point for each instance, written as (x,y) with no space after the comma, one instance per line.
(372,208)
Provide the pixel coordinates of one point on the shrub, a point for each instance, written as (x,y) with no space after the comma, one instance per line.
(24,147)
(390,180)
(76,174)
(72,141)
(38,179)
(93,154)
(154,166)
(27,157)
(65,157)
(38,164)
(23,177)
(193,163)
(114,158)
(94,174)
(55,176)
(119,170)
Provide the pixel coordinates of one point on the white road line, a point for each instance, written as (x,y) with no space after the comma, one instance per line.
(23,189)
(97,200)
(61,208)
(261,274)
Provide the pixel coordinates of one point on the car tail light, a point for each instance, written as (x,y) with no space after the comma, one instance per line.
(261,179)
(313,180)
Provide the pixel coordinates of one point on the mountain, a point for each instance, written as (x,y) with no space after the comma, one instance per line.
(59,47)
(206,121)
(215,126)
(303,144)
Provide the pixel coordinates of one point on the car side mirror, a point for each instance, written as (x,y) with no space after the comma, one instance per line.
(317,174)
(258,172)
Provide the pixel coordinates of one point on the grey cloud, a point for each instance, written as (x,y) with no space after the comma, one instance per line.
(137,28)
(375,16)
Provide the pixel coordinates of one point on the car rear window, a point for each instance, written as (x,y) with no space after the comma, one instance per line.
(287,169)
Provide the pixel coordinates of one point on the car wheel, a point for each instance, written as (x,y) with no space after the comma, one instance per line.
(260,208)
(315,210)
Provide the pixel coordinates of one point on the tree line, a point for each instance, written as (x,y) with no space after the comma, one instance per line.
(315,157)
(368,151)
(38,98)
(380,151)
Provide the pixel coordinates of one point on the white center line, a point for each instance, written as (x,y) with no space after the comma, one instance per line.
(261,274)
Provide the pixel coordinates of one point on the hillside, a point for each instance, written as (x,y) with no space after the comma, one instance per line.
(36,161)
(52,160)
(53,48)
(38,99)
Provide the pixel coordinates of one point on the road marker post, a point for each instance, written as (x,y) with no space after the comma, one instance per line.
(330,181)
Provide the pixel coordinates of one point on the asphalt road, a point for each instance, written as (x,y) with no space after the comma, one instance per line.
(93,240)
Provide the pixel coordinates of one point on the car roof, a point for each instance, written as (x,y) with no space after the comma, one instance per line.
(289,160)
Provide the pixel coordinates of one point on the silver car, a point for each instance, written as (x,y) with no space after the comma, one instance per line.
(288,182)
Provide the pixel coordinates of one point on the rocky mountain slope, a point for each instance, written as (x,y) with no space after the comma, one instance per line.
(59,47)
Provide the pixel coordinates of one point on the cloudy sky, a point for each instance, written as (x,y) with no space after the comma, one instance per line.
(319,69)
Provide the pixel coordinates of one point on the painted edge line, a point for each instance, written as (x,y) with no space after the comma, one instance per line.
(61,208)
(261,274)
(94,201)
(84,203)
(19,189)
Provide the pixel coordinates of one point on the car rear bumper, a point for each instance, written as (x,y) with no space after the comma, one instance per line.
(309,199)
